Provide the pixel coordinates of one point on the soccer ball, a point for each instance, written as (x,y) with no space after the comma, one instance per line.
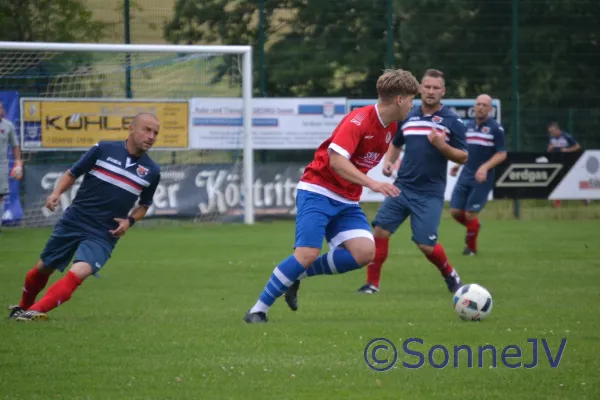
(472,302)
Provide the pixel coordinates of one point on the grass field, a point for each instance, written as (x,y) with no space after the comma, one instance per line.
(165,319)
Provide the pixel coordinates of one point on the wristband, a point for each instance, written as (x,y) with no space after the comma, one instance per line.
(131,221)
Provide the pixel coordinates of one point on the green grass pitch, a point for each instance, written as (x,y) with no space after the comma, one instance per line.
(164,321)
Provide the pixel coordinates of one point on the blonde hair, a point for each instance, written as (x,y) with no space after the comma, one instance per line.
(396,82)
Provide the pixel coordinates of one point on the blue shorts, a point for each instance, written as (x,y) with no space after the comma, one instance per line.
(425,215)
(469,196)
(67,243)
(320,217)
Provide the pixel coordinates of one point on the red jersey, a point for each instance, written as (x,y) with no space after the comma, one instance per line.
(362,138)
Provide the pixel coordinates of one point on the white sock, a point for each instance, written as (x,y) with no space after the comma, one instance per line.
(260,307)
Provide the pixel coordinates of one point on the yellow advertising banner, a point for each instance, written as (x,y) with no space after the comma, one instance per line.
(70,124)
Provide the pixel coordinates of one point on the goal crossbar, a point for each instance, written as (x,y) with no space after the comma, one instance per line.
(244,50)
(124,48)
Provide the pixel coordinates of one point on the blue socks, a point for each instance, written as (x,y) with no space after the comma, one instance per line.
(338,261)
(284,275)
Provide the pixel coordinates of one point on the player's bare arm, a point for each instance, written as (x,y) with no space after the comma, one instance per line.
(17,171)
(137,214)
(391,156)
(493,162)
(439,141)
(344,168)
(65,182)
(574,148)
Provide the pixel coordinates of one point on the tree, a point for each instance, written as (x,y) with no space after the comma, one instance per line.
(328,48)
(48,21)
(314,48)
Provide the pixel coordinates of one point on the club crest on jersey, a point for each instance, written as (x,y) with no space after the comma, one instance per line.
(328,110)
(388,137)
(485,129)
(2,131)
(142,171)
(437,119)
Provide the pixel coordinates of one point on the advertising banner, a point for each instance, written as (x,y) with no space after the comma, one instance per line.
(77,124)
(210,192)
(281,123)
(547,176)
(582,181)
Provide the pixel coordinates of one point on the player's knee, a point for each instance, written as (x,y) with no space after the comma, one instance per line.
(306,255)
(381,233)
(82,270)
(365,255)
(426,249)
(39,265)
(362,249)
(456,213)
(43,269)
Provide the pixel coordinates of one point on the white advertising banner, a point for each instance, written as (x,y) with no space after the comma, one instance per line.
(277,123)
(582,182)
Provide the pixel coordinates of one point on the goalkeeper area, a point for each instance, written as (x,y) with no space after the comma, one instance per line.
(165,319)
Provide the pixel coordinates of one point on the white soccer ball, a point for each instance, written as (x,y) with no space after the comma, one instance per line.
(472,302)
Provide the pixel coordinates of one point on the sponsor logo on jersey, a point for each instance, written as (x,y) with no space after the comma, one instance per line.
(371,155)
(112,160)
(142,171)
(358,119)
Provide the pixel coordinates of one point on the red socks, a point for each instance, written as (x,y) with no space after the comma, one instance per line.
(439,259)
(35,281)
(58,293)
(381,253)
(472,232)
(472,229)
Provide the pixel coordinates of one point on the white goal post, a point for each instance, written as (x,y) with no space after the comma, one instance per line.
(243,53)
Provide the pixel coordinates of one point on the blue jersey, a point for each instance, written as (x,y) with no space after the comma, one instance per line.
(113,182)
(483,141)
(563,141)
(424,168)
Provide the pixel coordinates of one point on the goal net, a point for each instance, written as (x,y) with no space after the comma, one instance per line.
(63,98)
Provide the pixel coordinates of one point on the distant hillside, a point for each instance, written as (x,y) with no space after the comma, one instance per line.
(146,23)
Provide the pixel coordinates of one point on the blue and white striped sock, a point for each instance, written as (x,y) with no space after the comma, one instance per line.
(284,275)
(338,261)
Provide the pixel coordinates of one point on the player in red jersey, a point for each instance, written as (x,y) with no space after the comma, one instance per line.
(329,191)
